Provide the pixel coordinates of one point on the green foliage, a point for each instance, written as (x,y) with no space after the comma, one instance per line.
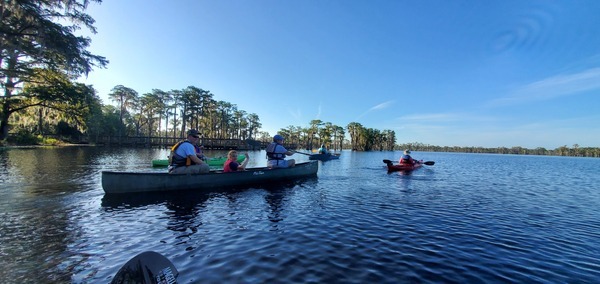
(516,150)
(64,129)
(24,137)
(50,142)
(54,104)
(368,139)
(40,51)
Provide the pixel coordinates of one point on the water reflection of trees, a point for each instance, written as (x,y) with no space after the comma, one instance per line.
(186,208)
(184,216)
(183,208)
(277,198)
(180,199)
(38,212)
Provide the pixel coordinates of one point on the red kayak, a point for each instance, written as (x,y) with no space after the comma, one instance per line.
(405,167)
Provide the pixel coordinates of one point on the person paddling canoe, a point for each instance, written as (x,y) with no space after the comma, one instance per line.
(276,154)
(184,158)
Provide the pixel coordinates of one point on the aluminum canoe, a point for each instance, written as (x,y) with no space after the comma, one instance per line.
(114,182)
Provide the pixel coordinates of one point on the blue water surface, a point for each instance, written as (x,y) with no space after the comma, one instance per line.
(476,218)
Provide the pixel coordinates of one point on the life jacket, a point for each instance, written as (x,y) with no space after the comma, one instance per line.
(227,166)
(176,160)
(271,155)
(406,159)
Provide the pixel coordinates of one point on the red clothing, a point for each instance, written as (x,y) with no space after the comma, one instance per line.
(230,166)
(407,159)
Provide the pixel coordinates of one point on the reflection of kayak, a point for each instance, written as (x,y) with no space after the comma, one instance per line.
(406,167)
(324,157)
(213,162)
(147,267)
(129,182)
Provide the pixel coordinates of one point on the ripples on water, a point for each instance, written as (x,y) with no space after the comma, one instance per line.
(468,218)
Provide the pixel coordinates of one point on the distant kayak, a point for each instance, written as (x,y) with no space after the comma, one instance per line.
(213,162)
(324,157)
(406,167)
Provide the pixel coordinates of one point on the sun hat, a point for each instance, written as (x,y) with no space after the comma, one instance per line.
(277,137)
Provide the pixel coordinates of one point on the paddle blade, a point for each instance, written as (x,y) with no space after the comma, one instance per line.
(429,163)
(148,267)
(387,161)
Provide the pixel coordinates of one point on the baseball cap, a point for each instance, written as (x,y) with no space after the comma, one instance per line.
(193,132)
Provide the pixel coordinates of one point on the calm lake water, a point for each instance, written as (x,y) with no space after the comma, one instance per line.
(472,218)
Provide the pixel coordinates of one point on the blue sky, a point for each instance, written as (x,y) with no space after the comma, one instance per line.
(447,73)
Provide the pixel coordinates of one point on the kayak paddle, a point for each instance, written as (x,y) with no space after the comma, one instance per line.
(147,267)
(301,153)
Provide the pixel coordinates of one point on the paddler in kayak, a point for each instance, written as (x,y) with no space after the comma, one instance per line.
(406,159)
(323,149)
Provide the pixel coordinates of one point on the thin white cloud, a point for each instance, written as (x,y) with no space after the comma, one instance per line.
(445,117)
(430,117)
(382,105)
(553,87)
(377,107)
(319,110)
(297,114)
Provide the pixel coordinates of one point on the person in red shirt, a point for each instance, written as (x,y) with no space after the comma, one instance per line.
(231,165)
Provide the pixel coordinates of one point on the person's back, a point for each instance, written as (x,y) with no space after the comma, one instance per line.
(323,150)
(406,158)
(276,154)
(178,156)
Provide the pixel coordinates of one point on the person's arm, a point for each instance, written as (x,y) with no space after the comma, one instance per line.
(286,152)
(195,159)
(244,163)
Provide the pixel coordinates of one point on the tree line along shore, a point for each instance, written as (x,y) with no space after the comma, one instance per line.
(165,142)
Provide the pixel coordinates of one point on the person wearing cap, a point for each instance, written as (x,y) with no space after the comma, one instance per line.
(323,149)
(184,157)
(276,154)
(406,158)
